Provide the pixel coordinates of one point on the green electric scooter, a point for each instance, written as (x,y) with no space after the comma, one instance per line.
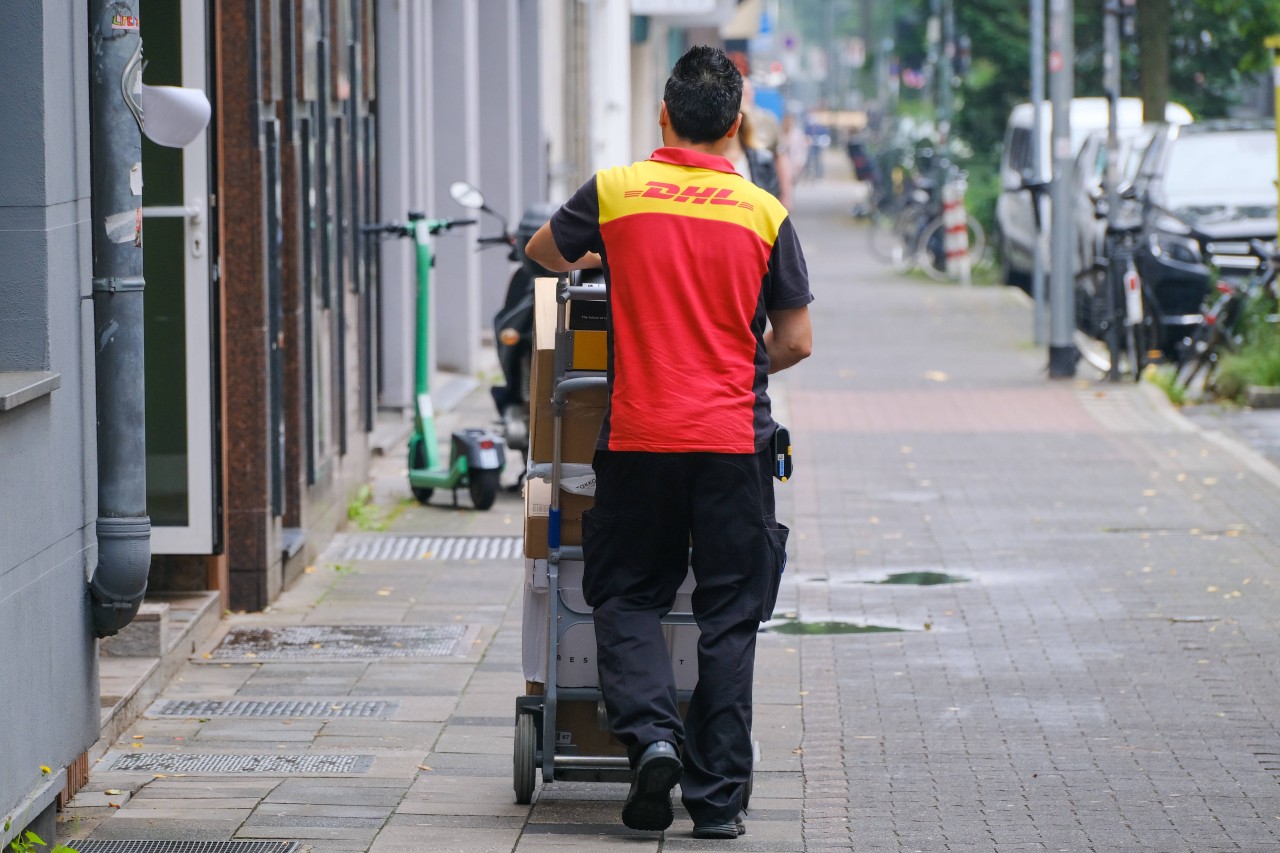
(476,456)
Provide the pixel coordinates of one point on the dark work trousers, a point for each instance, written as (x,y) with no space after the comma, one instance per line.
(648,508)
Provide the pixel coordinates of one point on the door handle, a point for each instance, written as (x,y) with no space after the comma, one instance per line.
(193,213)
(189,211)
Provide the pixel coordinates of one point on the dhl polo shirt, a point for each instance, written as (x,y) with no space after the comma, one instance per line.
(694,256)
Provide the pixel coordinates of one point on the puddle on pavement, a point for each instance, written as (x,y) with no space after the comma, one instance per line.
(789,623)
(921,579)
(899,579)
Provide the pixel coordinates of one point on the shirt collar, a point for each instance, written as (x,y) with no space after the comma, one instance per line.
(690,157)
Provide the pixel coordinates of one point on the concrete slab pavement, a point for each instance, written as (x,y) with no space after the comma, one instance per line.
(1101,676)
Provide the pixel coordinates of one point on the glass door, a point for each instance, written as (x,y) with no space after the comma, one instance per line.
(179,360)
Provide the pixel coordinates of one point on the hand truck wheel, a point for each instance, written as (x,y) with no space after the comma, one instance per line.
(525,764)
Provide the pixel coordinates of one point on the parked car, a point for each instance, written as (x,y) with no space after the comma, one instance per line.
(1015,220)
(1205,191)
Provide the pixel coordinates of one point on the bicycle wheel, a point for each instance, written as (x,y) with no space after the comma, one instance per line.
(1092,318)
(1203,349)
(1199,366)
(931,251)
(882,237)
(1143,338)
(907,229)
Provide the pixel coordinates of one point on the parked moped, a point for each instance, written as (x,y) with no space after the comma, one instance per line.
(513,324)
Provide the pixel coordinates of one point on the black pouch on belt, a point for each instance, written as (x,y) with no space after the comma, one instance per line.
(781,454)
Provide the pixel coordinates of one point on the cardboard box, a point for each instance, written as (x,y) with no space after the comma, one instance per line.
(587,342)
(581,731)
(585,409)
(537,510)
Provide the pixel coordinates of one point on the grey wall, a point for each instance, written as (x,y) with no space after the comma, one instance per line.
(457,101)
(455,143)
(499,114)
(404,117)
(532,139)
(48,683)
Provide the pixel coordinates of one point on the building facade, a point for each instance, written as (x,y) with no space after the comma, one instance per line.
(48,480)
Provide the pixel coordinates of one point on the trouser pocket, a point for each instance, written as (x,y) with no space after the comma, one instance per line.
(604,548)
(775,563)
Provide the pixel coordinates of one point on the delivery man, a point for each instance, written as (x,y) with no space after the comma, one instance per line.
(696,259)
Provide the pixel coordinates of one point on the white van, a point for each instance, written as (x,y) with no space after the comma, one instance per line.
(1015,220)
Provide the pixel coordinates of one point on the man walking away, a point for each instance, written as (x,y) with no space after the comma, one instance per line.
(696,259)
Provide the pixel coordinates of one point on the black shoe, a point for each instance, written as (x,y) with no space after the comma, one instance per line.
(648,803)
(721,830)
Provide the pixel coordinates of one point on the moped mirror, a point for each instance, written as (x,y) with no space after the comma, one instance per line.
(466,195)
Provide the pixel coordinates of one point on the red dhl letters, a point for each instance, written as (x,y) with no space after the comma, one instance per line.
(691,193)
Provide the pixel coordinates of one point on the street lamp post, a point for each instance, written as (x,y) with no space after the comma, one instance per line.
(1062,351)
(1273,42)
(1037,167)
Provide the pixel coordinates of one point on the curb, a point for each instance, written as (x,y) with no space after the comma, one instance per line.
(1246,455)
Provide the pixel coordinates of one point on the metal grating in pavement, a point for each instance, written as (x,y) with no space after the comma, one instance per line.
(324,642)
(261,708)
(172,762)
(92,846)
(382,547)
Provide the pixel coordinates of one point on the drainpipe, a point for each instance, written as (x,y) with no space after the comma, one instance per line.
(124,531)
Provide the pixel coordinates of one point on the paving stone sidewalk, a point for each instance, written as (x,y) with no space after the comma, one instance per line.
(1099,677)
(1103,676)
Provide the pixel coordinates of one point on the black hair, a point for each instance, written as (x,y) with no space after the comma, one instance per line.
(703,94)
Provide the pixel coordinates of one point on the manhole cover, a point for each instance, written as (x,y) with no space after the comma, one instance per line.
(90,846)
(383,547)
(169,762)
(255,708)
(299,642)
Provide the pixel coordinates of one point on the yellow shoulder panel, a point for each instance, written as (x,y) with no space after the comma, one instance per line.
(654,187)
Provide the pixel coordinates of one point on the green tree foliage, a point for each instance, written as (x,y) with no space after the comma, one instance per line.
(999,74)
(1214,45)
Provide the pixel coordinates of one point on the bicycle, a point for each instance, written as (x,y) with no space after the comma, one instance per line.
(889,201)
(1222,329)
(932,251)
(1116,308)
(921,231)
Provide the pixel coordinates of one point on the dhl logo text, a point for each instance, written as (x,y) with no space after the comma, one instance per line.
(691,194)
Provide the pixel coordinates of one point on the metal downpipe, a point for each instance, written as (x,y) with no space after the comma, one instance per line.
(124,531)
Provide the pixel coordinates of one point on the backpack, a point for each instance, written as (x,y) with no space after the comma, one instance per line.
(764,172)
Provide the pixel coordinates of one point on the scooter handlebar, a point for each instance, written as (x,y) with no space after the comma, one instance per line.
(384,228)
(400,229)
(438,225)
